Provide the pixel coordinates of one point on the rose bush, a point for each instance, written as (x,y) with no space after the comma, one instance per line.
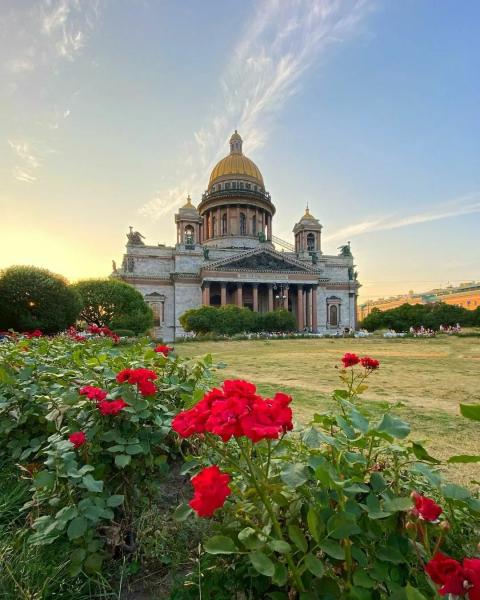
(88,423)
(347,508)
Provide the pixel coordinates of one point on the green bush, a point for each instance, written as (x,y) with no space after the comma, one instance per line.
(84,491)
(33,298)
(414,315)
(115,304)
(231,320)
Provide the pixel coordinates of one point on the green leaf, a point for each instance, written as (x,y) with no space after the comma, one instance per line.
(280,578)
(44,479)
(362,579)
(315,525)
(393,426)
(314,565)
(93,563)
(390,554)
(220,544)
(92,485)
(294,475)
(455,492)
(471,411)
(342,525)
(297,537)
(122,460)
(464,458)
(413,594)
(182,512)
(134,449)
(333,549)
(77,528)
(280,546)
(358,420)
(422,454)
(397,504)
(262,563)
(115,500)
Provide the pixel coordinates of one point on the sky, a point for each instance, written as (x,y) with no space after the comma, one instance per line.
(112,111)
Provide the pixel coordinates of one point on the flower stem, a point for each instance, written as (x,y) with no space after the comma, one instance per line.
(276,525)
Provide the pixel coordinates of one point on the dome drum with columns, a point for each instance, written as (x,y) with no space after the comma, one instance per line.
(226,253)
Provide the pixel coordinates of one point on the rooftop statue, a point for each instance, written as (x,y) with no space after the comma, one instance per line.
(206,252)
(261,237)
(135,238)
(345,250)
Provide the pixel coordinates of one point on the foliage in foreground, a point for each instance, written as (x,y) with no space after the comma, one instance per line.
(88,424)
(347,510)
(33,298)
(115,304)
(349,507)
(232,320)
(415,315)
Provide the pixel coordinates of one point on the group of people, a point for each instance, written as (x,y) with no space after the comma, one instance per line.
(428,332)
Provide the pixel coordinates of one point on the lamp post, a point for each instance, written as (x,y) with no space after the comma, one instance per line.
(281,294)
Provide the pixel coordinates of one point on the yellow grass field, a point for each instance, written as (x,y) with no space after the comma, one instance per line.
(429,377)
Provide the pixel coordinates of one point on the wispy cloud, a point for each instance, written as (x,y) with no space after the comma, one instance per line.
(28,158)
(269,62)
(465,205)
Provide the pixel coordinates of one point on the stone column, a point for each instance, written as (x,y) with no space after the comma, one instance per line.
(270,297)
(238,219)
(269,231)
(285,300)
(240,295)
(300,307)
(223,293)
(219,222)
(227,232)
(255,296)
(314,310)
(309,308)
(206,293)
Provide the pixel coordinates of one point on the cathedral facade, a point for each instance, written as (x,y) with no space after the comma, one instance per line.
(226,253)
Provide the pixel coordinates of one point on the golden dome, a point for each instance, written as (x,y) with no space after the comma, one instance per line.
(188,203)
(236,165)
(308,216)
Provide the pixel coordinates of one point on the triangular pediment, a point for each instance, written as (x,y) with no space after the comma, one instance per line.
(261,260)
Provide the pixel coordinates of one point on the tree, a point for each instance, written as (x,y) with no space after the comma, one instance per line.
(414,315)
(115,304)
(34,298)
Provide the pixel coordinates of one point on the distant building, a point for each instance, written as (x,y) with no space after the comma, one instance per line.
(225,254)
(466,295)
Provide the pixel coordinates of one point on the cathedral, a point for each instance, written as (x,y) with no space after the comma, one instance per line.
(226,253)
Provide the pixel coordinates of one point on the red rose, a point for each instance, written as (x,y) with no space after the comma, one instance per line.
(471,567)
(370,363)
(350,360)
(448,573)
(93,393)
(235,410)
(78,438)
(427,508)
(211,490)
(142,378)
(34,334)
(146,387)
(165,350)
(111,407)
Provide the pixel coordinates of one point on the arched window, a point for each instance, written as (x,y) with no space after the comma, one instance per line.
(311,242)
(189,235)
(243,224)
(333,315)
(214,226)
(227,186)
(254,225)
(224,224)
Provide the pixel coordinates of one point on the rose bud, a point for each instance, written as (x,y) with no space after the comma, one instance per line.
(445,526)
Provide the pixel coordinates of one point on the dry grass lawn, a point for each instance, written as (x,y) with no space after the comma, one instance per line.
(430,377)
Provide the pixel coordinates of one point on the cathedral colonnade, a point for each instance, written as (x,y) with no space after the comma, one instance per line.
(300,299)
